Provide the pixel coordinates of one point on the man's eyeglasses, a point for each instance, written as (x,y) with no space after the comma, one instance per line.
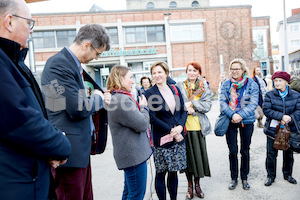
(31,21)
(98,54)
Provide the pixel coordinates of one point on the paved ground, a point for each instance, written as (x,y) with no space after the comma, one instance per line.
(108,180)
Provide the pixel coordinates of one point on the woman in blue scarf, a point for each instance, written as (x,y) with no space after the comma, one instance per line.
(280,106)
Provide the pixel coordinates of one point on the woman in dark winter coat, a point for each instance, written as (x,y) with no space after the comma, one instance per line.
(280,106)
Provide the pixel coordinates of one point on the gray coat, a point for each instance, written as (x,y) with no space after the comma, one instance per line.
(128,127)
(202,106)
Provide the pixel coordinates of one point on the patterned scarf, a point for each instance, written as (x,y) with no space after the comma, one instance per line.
(233,97)
(127,93)
(262,84)
(197,91)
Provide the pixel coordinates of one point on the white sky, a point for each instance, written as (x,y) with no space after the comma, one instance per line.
(272,8)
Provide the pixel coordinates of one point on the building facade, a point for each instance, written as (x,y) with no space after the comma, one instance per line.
(212,36)
(155,4)
(293,40)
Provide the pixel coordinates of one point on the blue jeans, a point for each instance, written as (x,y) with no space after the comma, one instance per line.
(245,138)
(135,182)
(271,160)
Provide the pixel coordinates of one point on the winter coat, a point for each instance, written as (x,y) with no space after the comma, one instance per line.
(274,108)
(201,106)
(27,139)
(128,126)
(248,103)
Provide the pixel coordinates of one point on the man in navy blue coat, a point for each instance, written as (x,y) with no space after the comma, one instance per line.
(70,110)
(29,144)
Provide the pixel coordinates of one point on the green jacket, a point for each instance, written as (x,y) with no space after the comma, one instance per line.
(295,83)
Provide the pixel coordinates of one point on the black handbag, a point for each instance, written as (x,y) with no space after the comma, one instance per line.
(294,140)
(100,120)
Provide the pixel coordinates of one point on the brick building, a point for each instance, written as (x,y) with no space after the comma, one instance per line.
(177,36)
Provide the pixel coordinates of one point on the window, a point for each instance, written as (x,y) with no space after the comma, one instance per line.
(144,34)
(155,34)
(150,5)
(173,4)
(53,39)
(65,38)
(295,43)
(187,32)
(294,28)
(195,4)
(113,34)
(135,35)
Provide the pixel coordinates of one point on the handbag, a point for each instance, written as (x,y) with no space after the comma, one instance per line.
(294,140)
(282,134)
(100,120)
(222,124)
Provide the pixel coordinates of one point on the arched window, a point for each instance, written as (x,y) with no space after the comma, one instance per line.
(195,4)
(150,5)
(173,4)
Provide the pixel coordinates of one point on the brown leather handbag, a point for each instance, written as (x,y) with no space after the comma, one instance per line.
(282,135)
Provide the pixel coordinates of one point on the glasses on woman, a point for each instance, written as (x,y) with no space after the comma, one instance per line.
(31,21)
(235,69)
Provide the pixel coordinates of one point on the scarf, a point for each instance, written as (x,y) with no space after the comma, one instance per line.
(233,97)
(197,91)
(127,93)
(262,85)
(283,94)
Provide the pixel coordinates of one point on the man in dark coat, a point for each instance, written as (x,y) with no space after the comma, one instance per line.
(29,144)
(70,110)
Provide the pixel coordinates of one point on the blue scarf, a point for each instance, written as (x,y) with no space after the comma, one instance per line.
(283,94)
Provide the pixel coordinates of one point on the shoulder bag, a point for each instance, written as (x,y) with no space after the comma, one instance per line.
(294,140)
(222,124)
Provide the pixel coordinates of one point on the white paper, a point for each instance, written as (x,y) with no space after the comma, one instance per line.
(274,123)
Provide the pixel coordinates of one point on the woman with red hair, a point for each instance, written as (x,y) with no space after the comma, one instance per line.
(197,97)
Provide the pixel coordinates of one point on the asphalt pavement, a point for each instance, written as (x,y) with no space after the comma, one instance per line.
(108,181)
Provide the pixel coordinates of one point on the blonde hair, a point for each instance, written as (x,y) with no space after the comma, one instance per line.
(114,79)
(164,65)
(243,65)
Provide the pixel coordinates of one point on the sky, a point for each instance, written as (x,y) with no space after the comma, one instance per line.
(272,8)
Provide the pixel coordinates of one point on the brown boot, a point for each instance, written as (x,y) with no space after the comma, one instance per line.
(199,192)
(190,194)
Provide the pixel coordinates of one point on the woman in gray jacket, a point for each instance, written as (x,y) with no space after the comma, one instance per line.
(197,97)
(128,122)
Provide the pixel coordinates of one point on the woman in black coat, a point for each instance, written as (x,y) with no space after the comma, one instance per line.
(280,106)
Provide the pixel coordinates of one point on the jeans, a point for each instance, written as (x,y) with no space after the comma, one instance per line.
(245,138)
(271,160)
(135,182)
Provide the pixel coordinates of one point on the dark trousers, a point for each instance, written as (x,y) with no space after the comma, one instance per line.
(74,183)
(135,182)
(245,138)
(172,184)
(271,161)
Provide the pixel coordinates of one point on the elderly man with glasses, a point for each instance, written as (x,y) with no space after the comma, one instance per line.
(29,144)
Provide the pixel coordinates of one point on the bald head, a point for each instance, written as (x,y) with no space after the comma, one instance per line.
(14,21)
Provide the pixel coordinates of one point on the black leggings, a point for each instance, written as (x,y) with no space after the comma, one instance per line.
(160,185)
